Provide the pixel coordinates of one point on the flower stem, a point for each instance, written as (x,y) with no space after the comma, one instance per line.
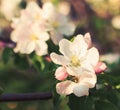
(25,97)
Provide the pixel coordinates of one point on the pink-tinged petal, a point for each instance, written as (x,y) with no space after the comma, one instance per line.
(81,90)
(61,73)
(56,37)
(87,39)
(41,48)
(100,67)
(88,79)
(59,59)
(92,56)
(65,88)
(65,47)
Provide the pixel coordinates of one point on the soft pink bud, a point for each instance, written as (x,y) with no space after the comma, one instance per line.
(100,67)
(48,58)
(61,73)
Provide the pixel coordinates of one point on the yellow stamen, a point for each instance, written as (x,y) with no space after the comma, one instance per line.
(55,24)
(75,61)
(33,37)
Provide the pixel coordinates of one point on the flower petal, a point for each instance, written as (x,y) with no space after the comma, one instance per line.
(81,90)
(87,39)
(79,46)
(41,48)
(65,47)
(61,73)
(88,79)
(59,59)
(92,56)
(65,88)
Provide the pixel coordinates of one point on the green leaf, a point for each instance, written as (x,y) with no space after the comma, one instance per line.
(6,54)
(81,103)
(105,105)
(21,61)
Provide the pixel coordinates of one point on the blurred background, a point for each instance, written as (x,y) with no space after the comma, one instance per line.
(99,17)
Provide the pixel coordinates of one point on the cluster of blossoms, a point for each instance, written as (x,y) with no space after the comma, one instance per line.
(36,25)
(79,63)
(79,60)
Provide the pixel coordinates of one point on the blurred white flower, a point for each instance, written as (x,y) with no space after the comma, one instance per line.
(9,8)
(29,38)
(59,24)
(110,57)
(116,22)
(30,32)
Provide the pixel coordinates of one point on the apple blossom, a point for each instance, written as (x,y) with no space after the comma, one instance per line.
(78,85)
(76,56)
(58,23)
(30,38)
(30,32)
(79,62)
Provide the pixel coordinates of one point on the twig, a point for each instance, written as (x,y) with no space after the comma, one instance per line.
(25,97)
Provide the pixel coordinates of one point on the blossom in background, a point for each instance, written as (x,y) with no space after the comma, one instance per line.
(58,23)
(30,31)
(38,22)
(30,38)
(78,64)
(9,9)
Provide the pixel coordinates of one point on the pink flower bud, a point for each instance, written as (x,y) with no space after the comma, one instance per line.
(61,73)
(100,67)
(48,58)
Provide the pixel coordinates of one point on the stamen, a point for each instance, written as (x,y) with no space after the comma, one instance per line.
(75,61)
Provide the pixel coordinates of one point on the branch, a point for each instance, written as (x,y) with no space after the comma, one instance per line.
(25,97)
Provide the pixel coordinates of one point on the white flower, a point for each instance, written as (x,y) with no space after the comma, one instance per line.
(76,56)
(30,31)
(30,38)
(59,24)
(9,8)
(78,85)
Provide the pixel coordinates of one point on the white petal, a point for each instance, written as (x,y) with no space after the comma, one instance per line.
(86,66)
(88,79)
(41,48)
(79,46)
(59,59)
(65,47)
(56,37)
(87,38)
(74,71)
(27,47)
(92,56)
(65,88)
(81,90)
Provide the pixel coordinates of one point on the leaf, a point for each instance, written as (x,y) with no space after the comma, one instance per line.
(21,61)
(81,103)
(6,54)
(105,105)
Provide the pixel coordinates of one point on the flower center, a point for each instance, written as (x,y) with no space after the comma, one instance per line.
(37,17)
(75,61)
(55,24)
(33,37)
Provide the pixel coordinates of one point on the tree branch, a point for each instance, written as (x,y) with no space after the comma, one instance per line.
(25,97)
